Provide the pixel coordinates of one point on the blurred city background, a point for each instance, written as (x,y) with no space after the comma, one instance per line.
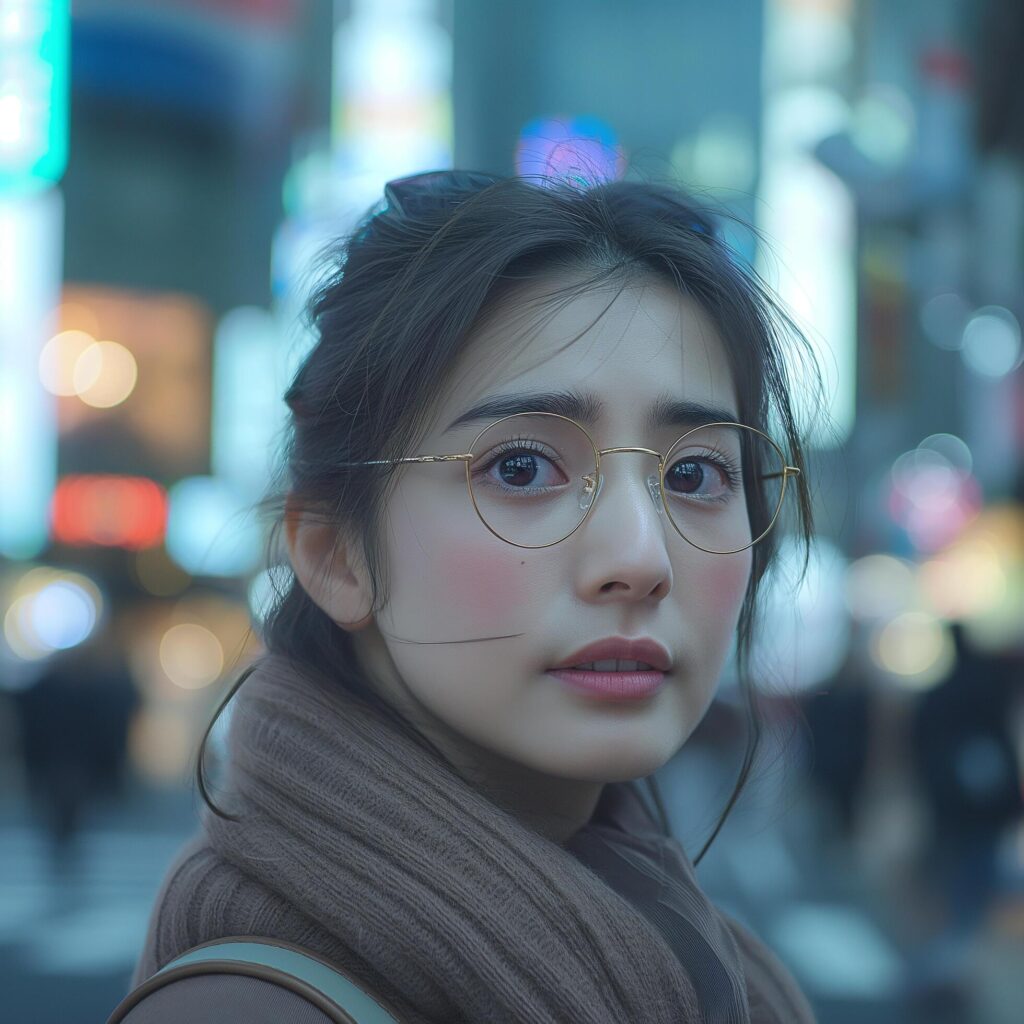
(167,170)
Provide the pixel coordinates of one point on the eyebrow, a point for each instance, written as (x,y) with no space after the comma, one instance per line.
(585,407)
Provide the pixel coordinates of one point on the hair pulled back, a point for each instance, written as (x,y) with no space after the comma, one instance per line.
(397,304)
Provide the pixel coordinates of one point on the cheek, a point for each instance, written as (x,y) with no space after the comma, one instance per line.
(723,584)
(483,583)
(440,572)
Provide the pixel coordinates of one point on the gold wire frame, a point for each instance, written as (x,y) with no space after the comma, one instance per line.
(787,472)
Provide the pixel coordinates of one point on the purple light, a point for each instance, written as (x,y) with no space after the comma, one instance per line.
(584,150)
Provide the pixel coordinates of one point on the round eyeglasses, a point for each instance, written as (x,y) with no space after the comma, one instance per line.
(533,479)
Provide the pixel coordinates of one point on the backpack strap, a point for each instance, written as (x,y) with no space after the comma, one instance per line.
(280,963)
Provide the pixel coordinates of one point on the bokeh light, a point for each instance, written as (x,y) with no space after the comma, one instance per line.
(882,125)
(991,344)
(879,587)
(50,610)
(211,529)
(584,150)
(952,448)
(925,476)
(105,374)
(18,632)
(916,647)
(963,582)
(720,154)
(109,511)
(991,553)
(58,359)
(191,656)
(930,497)
(63,614)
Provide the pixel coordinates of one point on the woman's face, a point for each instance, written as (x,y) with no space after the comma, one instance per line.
(625,571)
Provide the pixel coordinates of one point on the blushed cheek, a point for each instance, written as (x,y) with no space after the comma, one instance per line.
(724,584)
(484,584)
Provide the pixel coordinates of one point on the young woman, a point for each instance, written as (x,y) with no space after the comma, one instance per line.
(542,428)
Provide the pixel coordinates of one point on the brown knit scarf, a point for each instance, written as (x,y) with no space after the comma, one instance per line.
(360,846)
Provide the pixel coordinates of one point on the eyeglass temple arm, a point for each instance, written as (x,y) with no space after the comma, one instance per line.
(416,458)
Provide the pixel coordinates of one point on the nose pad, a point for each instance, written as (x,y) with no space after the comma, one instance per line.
(591,489)
(590,492)
(654,486)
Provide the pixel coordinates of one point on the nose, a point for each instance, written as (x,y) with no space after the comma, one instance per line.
(652,484)
(641,567)
(652,481)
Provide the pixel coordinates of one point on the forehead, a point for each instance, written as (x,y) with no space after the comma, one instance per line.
(626,345)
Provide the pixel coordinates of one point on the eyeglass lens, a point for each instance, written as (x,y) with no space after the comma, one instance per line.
(533,478)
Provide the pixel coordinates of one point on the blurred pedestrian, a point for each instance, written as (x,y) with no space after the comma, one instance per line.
(970,774)
(838,718)
(74,729)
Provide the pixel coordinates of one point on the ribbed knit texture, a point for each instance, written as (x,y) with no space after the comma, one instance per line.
(359,846)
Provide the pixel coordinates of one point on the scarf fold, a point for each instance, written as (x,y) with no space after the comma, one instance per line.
(358,845)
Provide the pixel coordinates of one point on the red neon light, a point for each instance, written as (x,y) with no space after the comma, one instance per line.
(109,511)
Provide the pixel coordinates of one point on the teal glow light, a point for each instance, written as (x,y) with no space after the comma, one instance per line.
(248,413)
(31,227)
(210,528)
(34,55)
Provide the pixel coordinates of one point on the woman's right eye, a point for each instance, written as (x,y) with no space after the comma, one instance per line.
(519,468)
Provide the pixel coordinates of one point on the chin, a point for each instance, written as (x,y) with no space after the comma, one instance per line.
(608,765)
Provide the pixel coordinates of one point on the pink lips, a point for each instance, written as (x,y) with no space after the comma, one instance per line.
(643,649)
(615,686)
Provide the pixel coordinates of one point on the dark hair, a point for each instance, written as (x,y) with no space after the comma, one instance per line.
(398,302)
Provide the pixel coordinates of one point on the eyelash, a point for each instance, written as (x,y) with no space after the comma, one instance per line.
(725,463)
(518,445)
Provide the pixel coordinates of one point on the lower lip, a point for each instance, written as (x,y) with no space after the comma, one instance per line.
(611,685)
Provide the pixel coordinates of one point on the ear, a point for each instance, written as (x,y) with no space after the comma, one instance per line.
(329,570)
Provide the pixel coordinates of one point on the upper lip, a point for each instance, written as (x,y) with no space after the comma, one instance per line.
(623,649)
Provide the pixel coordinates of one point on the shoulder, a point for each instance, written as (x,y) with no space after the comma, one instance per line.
(256,979)
(201,897)
(771,989)
(224,999)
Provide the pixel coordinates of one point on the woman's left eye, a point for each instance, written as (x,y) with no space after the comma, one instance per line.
(700,477)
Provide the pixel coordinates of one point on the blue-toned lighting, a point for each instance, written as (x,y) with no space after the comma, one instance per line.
(804,632)
(50,610)
(991,344)
(266,589)
(248,411)
(31,230)
(211,530)
(34,45)
(63,614)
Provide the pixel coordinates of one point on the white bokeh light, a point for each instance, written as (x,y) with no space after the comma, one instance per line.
(63,614)
(992,342)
